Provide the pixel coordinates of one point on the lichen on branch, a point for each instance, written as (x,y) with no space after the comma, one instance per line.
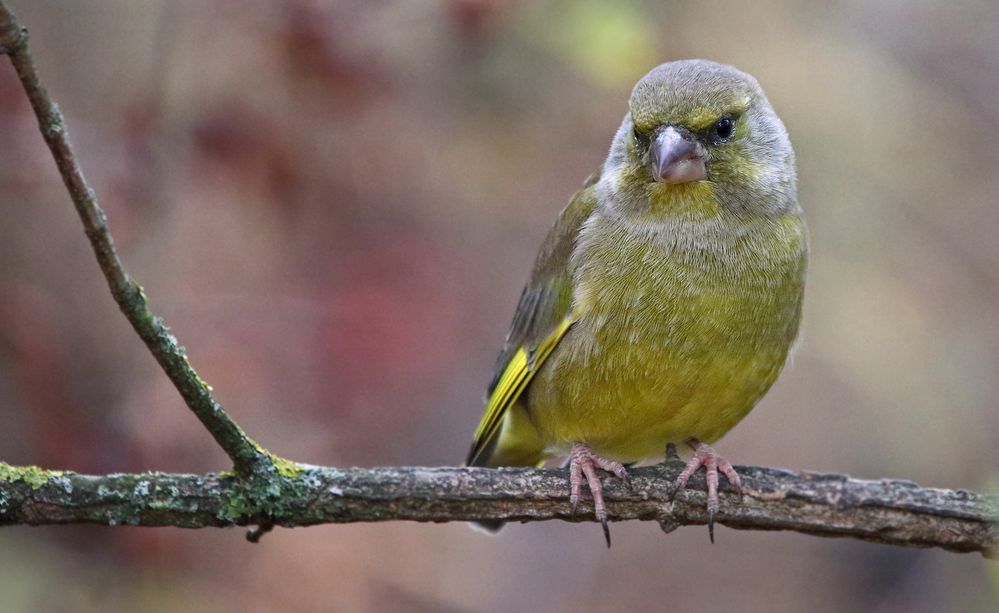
(268,491)
(892,512)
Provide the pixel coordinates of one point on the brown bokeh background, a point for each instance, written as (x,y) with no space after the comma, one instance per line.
(334,205)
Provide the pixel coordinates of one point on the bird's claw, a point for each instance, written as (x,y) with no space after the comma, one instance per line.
(713,464)
(583,464)
(712,510)
(671,453)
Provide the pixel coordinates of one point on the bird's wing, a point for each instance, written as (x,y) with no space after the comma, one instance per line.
(543,316)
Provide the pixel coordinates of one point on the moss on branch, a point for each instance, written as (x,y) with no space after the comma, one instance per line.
(892,512)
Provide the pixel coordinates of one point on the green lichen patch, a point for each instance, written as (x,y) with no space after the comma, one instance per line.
(141,292)
(284,467)
(273,492)
(236,504)
(32,475)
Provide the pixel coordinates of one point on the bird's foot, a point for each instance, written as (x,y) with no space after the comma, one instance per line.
(713,464)
(583,463)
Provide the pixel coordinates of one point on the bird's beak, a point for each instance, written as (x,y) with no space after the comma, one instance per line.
(676,157)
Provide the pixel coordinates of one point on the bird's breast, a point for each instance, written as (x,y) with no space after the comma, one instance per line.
(668,325)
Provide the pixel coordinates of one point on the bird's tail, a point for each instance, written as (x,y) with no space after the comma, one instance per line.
(505,451)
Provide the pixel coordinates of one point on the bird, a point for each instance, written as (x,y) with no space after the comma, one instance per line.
(666,298)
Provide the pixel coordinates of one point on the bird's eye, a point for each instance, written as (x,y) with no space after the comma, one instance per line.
(641,139)
(724,128)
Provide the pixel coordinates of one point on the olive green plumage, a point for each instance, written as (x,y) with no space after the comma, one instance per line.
(661,307)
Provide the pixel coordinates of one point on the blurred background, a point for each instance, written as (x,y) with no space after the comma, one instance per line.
(334,205)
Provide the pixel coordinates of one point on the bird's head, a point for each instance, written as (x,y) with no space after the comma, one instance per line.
(700,134)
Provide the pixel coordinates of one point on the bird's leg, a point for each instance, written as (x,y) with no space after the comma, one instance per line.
(583,462)
(713,463)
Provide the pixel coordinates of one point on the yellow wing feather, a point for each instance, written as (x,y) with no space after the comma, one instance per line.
(516,375)
(544,314)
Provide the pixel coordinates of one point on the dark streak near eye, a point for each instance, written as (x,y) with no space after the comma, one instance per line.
(640,139)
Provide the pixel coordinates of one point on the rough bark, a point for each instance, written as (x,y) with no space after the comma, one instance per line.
(892,512)
(268,491)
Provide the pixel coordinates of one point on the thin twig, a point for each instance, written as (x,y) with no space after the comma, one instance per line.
(273,492)
(245,454)
(892,512)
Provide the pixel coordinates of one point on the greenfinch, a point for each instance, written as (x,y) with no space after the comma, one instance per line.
(663,303)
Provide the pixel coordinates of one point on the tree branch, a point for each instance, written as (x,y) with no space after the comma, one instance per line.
(268,491)
(245,454)
(892,512)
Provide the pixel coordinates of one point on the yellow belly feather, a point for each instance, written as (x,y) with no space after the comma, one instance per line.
(686,356)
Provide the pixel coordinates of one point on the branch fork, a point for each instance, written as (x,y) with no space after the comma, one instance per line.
(266,491)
